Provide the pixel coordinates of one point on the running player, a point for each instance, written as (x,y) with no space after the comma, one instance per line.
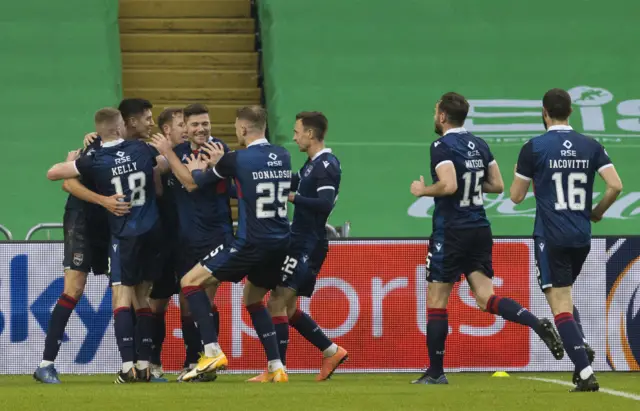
(126,167)
(317,185)
(462,168)
(263,178)
(562,165)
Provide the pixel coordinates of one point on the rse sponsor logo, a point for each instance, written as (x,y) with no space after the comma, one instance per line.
(274,161)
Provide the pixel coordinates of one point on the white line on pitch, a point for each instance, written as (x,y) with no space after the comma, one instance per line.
(568,384)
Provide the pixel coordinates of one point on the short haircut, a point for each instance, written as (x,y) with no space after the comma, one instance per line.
(167,115)
(255,115)
(557,102)
(106,115)
(315,121)
(455,107)
(194,110)
(134,107)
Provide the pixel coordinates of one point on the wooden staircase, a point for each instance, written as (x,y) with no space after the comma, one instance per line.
(177,52)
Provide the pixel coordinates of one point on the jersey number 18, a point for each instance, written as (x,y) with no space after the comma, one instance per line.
(137,182)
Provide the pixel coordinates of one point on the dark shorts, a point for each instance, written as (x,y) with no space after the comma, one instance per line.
(262,266)
(86,241)
(558,266)
(300,269)
(167,284)
(136,259)
(459,251)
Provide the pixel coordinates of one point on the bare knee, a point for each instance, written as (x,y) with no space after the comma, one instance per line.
(252,294)
(560,300)
(438,295)
(123,296)
(74,283)
(482,288)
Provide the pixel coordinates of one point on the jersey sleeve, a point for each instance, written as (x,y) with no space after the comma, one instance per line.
(602,158)
(84,165)
(226,167)
(153,152)
(204,178)
(440,154)
(524,168)
(328,177)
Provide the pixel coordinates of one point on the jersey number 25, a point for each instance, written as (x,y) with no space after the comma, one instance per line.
(267,197)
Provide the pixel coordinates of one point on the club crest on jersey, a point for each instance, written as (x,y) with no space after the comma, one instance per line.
(78,258)
(308,171)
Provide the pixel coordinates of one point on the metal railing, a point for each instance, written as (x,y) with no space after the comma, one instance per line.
(42,226)
(4,230)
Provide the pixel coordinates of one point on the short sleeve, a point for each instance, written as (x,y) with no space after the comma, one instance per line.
(524,168)
(226,167)
(153,153)
(602,158)
(440,154)
(84,165)
(327,176)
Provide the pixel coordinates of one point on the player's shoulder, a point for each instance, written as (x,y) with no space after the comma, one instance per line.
(328,161)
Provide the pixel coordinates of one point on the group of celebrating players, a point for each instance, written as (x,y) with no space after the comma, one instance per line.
(169,230)
(195,246)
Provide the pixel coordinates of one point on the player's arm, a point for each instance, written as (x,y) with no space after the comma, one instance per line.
(523,174)
(114,204)
(295,182)
(614,185)
(67,169)
(442,163)
(328,182)
(163,145)
(493,183)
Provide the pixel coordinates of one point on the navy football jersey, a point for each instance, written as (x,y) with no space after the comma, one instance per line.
(167,206)
(204,214)
(125,167)
(262,173)
(74,203)
(318,174)
(562,165)
(471,157)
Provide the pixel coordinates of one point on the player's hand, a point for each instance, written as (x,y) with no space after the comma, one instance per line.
(195,163)
(215,151)
(90,138)
(292,196)
(73,155)
(596,217)
(417,187)
(161,143)
(116,204)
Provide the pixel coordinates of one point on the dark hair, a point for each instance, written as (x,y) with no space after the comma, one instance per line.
(256,115)
(134,107)
(557,102)
(316,121)
(194,110)
(455,106)
(106,115)
(167,115)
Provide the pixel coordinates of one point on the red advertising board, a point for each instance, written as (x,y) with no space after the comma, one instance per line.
(371,299)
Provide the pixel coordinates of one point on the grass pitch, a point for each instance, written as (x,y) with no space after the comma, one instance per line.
(467,391)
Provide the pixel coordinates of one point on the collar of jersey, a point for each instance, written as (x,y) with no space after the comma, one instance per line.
(112,143)
(321,152)
(259,141)
(455,130)
(560,127)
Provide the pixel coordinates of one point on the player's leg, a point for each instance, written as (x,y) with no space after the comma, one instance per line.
(145,323)
(253,296)
(563,265)
(124,331)
(158,309)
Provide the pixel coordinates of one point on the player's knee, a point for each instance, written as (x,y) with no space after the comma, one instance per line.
(74,284)
(482,301)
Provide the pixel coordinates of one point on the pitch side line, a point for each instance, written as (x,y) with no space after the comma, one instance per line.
(568,384)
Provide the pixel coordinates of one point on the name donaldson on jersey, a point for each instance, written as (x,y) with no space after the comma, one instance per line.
(271,174)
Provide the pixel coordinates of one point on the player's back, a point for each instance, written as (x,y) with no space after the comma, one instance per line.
(263,181)
(471,157)
(564,164)
(126,167)
(323,172)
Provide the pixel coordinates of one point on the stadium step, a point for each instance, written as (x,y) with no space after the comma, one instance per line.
(217,113)
(186,42)
(214,26)
(243,61)
(218,95)
(149,78)
(184,8)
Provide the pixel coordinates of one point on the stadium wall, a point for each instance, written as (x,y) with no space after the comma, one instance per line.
(370,298)
(376,69)
(60,63)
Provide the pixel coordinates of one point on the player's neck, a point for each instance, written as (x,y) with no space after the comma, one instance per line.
(110,138)
(553,122)
(248,140)
(315,149)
